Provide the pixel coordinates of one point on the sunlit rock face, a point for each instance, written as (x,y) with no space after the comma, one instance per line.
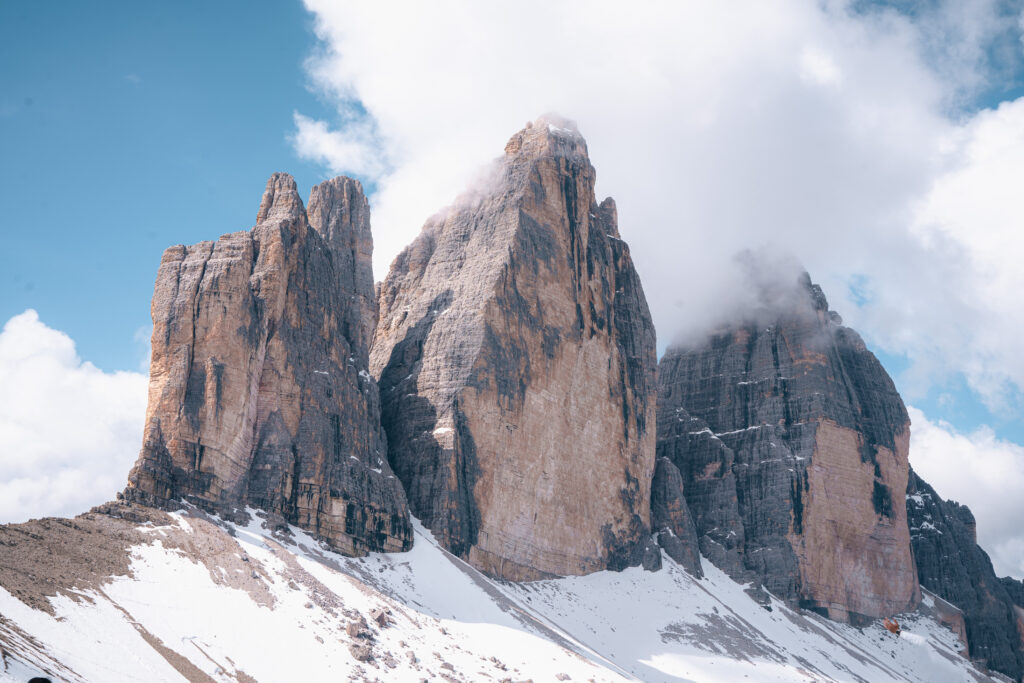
(792,444)
(516,359)
(259,387)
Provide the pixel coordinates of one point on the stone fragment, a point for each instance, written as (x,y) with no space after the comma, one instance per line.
(358,628)
(380,616)
(361,652)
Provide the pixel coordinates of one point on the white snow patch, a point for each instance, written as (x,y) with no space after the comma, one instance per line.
(607,626)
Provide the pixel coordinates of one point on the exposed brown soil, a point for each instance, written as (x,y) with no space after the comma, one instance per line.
(42,558)
(46,557)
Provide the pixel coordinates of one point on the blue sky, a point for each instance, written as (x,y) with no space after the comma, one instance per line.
(126,127)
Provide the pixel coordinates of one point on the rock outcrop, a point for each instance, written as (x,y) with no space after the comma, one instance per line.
(670,517)
(951,564)
(516,359)
(792,445)
(259,387)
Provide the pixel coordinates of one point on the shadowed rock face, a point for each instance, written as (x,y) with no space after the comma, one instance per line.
(792,442)
(516,360)
(951,564)
(670,517)
(259,392)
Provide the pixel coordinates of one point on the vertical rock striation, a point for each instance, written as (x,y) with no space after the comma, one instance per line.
(951,564)
(516,360)
(259,392)
(792,445)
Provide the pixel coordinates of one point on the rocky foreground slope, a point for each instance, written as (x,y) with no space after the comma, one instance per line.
(187,597)
(259,392)
(792,446)
(516,360)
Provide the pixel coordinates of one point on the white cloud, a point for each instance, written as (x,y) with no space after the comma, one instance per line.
(976,207)
(817,66)
(804,126)
(981,471)
(838,136)
(352,150)
(69,432)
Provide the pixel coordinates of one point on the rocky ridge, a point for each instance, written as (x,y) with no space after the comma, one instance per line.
(516,360)
(951,564)
(259,390)
(792,443)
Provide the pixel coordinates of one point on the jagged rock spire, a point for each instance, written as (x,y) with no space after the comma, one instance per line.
(259,392)
(516,358)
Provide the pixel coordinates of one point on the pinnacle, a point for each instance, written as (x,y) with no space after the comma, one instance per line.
(280,199)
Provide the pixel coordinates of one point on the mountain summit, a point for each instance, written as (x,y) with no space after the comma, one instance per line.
(793,447)
(516,361)
(259,391)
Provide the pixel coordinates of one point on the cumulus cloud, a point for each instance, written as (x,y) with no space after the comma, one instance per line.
(833,131)
(975,208)
(69,432)
(983,472)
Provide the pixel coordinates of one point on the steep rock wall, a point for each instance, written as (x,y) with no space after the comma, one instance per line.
(516,360)
(259,392)
(792,442)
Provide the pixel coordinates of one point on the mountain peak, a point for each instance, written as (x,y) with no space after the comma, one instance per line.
(548,135)
(281,199)
(515,352)
(259,393)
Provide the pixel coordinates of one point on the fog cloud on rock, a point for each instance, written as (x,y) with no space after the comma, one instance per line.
(834,132)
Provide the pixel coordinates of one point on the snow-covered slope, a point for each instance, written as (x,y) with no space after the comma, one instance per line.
(201,604)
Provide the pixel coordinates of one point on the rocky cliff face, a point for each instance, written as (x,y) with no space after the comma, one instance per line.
(670,517)
(792,444)
(516,360)
(259,390)
(951,564)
